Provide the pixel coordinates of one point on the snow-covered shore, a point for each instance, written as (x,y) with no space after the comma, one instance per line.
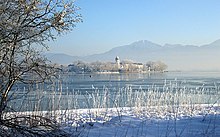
(199,120)
(130,126)
(125,122)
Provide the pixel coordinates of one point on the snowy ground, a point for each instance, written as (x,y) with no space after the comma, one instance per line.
(203,121)
(129,126)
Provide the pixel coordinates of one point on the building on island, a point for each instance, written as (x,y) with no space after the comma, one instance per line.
(118,66)
(128,66)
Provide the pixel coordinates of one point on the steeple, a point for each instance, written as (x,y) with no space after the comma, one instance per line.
(117,61)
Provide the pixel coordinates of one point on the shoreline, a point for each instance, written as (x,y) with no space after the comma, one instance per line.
(143,72)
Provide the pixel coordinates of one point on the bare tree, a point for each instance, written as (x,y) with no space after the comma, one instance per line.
(156,66)
(160,66)
(25,27)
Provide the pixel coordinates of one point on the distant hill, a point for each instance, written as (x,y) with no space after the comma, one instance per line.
(61,58)
(177,57)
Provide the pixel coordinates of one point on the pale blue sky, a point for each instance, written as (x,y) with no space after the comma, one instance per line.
(111,23)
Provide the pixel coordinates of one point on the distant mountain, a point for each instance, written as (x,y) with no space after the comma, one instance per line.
(177,57)
(141,47)
(132,51)
(215,44)
(61,58)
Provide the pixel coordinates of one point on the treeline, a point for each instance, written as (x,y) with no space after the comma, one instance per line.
(123,67)
(156,66)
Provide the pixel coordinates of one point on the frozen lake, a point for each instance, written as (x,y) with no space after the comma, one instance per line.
(122,90)
(87,82)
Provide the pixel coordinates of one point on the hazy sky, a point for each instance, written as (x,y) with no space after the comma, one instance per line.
(111,23)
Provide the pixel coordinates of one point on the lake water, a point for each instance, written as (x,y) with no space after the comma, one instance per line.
(104,90)
(87,82)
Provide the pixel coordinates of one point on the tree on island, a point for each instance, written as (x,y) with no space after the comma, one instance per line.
(156,66)
(25,27)
(126,66)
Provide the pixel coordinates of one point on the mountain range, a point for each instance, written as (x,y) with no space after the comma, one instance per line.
(176,56)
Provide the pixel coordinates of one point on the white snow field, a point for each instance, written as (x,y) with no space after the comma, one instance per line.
(125,122)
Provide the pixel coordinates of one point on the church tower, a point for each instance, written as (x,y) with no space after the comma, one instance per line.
(117,61)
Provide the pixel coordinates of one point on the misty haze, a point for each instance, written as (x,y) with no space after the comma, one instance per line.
(177,57)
